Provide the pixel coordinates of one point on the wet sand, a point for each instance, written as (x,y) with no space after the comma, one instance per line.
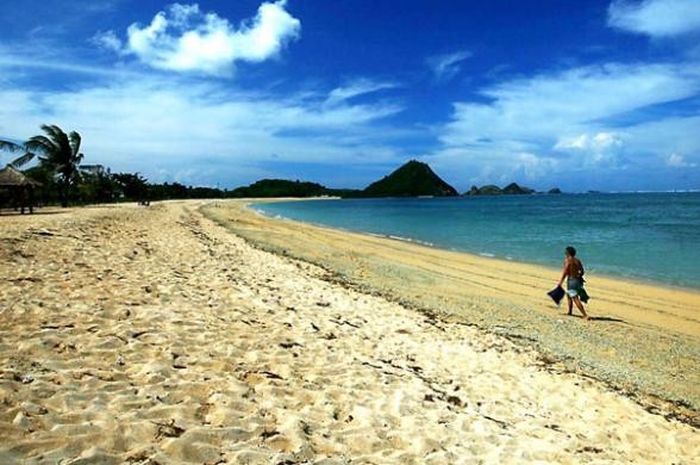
(155,335)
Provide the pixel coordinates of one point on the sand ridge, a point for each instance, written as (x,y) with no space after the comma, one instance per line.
(143,336)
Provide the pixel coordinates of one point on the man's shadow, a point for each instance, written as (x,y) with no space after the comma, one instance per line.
(602,318)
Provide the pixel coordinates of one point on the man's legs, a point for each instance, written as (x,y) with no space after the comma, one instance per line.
(579,305)
(569,303)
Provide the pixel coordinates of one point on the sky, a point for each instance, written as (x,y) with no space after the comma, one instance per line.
(582,95)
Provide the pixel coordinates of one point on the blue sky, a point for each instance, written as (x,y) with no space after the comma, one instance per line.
(595,94)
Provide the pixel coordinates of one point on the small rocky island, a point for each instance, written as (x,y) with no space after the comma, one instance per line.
(510,189)
(412,179)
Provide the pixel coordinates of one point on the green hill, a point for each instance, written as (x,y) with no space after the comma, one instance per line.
(282,188)
(410,180)
(514,189)
(489,189)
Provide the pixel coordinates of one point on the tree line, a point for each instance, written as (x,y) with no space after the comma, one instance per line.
(64,178)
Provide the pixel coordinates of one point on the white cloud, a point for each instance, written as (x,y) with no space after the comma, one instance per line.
(676,160)
(183,38)
(600,148)
(108,40)
(533,166)
(548,106)
(23,60)
(656,18)
(447,66)
(356,88)
(500,164)
(201,132)
(587,118)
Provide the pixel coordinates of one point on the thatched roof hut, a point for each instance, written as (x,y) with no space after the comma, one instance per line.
(12,177)
(21,187)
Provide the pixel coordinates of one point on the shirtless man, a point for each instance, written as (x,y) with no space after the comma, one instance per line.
(573,271)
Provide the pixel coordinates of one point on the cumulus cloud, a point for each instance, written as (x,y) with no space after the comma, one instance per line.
(184,38)
(447,66)
(601,148)
(676,160)
(656,18)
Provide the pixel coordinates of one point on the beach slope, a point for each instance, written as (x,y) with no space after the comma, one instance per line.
(154,335)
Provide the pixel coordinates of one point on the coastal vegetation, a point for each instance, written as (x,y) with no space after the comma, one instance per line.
(281,188)
(59,154)
(61,177)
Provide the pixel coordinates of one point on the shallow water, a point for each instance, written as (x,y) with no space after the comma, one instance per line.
(651,236)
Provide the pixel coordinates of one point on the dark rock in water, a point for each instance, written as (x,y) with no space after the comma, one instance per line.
(413,179)
(555,190)
(514,189)
(490,189)
(484,190)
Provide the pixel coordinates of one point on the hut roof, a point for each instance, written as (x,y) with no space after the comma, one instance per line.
(12,177)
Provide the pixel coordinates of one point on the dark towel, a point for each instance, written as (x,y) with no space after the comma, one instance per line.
(583,295)
(557,294)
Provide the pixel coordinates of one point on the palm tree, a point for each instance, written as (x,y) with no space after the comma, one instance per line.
(12,147)
(58,150)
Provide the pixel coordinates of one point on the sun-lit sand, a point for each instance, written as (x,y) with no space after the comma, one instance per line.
(645,340)
(157,336)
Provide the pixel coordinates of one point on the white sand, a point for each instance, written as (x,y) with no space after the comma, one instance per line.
(147,336)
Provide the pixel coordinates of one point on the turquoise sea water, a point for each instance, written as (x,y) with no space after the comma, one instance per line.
(650,237)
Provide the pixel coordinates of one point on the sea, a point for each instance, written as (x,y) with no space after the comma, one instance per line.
(651,237)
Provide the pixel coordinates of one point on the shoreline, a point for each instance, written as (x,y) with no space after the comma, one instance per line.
(660,373)
(649,282)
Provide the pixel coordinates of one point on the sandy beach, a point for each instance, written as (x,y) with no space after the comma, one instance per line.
(645,342)
(174,335)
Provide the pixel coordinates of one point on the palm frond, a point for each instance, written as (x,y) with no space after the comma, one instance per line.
(42,144)
(23,160)
(75,141)
(59,139)
(53,131)
(10,146)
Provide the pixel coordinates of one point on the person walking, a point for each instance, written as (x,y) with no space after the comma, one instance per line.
(573,273)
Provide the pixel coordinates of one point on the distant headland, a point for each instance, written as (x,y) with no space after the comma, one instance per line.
(412,179)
